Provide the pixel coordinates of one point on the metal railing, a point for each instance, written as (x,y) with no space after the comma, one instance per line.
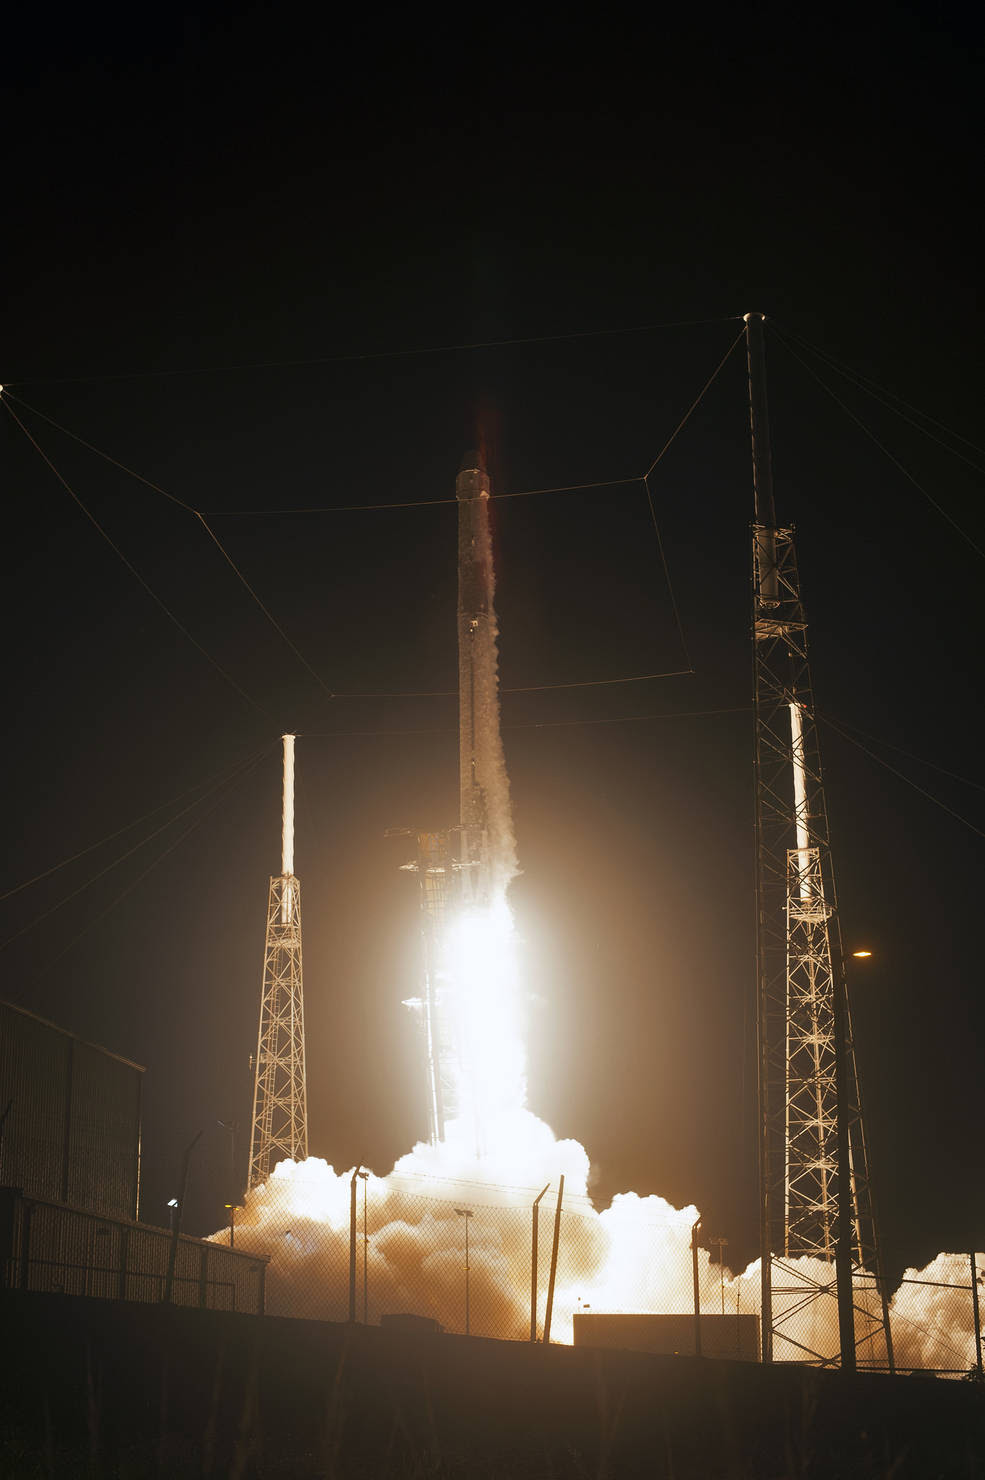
(55,1248)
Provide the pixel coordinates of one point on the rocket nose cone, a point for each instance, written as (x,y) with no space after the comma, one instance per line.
(472,462)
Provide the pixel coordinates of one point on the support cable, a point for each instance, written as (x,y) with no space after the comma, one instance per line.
(551,724)
(417,503)
(535,688)
(921,760)
(649,496)
(381,354)
(229,775)
(902,776)
(882,447)
(156,487)
(268,615)
(266,611)
(882,394)
(195,823)
(133,569)
(110,837)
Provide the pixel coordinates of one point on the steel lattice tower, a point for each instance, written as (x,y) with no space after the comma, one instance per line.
(280,1096)
(811,1129)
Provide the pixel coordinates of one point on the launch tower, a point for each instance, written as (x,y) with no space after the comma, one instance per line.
(815,1197)
(280,1097)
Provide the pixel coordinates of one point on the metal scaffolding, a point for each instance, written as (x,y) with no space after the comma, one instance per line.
(815,1193)
(280,1097)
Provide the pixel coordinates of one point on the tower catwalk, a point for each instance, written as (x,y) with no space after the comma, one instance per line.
(280,1097)
(811,1128)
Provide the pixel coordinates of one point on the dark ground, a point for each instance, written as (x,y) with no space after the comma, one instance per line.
(112,1390)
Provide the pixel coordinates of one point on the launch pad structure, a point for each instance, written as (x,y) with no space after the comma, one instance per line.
(815,1191)
(280,1096)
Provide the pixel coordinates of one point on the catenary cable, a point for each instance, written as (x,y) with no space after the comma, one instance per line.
(920,759)
(133,569)
(826,719)
(381,354)
(551,724)
(887,397)
(881,445)
(226,777)
(195,823)
(110,837)
(417,503)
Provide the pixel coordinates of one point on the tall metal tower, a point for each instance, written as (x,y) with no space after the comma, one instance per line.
(280,1096)
(815,1195)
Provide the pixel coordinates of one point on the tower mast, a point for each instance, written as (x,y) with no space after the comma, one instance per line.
(280,1097)
(815,1197)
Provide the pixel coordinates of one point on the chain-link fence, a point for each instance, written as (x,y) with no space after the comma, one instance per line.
(541,1264)
(936,1318)
(515,1264)
(53,1248)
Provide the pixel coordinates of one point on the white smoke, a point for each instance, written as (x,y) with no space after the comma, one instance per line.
(632,1256)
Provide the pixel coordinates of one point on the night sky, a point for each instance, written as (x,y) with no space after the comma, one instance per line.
(217,230)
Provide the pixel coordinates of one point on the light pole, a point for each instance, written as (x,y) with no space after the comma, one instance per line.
(365,1179)
(232,1126)
(722,1246)
(172,1212)
(466,1213)
(697,1290)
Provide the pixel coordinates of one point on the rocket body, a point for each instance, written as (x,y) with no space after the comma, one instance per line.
(487,829)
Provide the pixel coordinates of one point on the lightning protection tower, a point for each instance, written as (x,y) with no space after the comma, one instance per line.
(815,1195)
(280,1097)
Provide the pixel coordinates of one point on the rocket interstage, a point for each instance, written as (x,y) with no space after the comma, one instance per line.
(488,849)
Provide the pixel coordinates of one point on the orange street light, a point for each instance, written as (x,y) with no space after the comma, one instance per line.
(861,955)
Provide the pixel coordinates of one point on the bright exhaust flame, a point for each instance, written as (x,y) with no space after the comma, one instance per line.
(486,1015)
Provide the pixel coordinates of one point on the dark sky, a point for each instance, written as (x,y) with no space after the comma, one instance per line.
(186,197)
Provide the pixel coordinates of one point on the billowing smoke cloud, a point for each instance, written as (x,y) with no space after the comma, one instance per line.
(632,1256)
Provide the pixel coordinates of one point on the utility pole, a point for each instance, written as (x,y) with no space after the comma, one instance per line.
(280,1096)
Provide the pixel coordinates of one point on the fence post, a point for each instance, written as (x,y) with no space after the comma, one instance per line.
(533,1265)
(25,1243)
(121,1289)
(697,1288)
(977,1316)
(203,1279)
(550,1284)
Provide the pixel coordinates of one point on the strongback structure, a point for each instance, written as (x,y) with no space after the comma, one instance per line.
(815,1196)
(280,1098)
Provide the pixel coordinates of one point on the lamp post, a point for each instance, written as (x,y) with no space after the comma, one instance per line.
(466,1213)
(722,1246)
(697,1291)
(365,1179)
(232,1126)
(172,1212)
